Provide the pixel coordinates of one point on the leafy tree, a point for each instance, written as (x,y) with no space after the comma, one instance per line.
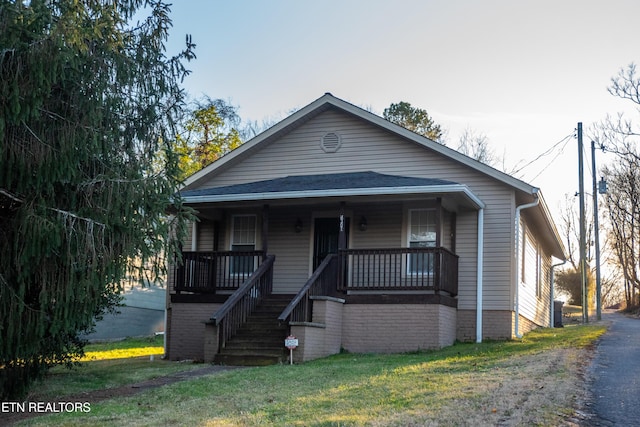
(569,281)
(415,119)
(210,130)
(87,102)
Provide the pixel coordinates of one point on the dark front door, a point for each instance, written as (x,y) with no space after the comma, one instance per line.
(325,241)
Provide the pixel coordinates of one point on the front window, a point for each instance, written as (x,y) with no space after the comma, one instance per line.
(243,239)
(422,234)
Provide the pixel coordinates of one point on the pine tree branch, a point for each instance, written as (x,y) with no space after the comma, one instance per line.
(60,211)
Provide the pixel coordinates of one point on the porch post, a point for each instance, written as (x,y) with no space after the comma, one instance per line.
(342,245)
(194,235)
(265,230)
(439,222)
(216,236)
(342,236)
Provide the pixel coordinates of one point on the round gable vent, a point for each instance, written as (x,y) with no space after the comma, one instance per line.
(330,142)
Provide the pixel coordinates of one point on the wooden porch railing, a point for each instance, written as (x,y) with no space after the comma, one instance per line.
(388,269)
(236,309)
(208,272)
(434,269)
(321,283)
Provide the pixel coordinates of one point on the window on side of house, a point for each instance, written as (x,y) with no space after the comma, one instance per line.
(422,234)
(539,277)
(523,253)
(243,239)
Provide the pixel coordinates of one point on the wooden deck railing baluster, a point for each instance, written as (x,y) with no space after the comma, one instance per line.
(389,269)
(434,269)
(236,309)
(209,272)
(321,283)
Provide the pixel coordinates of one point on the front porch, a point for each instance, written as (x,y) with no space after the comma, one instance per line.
(377,251)
(347,288)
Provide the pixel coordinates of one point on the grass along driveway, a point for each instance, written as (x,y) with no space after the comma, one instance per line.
(532,381)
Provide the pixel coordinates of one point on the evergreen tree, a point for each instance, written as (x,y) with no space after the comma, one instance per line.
(415,119)
(88,101)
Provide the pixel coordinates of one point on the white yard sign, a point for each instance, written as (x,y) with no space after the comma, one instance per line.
(291,343)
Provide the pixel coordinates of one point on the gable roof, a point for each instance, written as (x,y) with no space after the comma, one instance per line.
(328,101)
(525,192)
(330,185)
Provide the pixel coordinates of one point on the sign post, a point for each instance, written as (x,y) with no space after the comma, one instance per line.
(291,343)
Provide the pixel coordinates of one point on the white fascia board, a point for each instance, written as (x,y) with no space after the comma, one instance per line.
(433,145)
(257,140)
(372,118)
(377,191)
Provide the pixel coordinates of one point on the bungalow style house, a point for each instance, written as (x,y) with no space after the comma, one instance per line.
(351,233)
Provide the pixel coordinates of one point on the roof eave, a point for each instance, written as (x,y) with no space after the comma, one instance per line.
(257,140)
(328,99)
(561,251)
(350,192)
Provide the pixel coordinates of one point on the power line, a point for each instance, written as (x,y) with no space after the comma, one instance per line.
(546,153)
(561,151)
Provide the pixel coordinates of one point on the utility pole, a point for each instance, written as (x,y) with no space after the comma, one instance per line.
(596,232)
(583,245)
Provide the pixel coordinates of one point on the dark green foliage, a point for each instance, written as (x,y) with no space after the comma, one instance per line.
(569,281)
(415,119)
(87,103)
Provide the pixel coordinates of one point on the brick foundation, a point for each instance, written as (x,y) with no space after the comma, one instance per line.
(322,337)
(496,325)
(396,328)
(186,329)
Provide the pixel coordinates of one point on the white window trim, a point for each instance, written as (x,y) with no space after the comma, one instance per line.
(407,268)
(232,234)
(539,271)
(233,227)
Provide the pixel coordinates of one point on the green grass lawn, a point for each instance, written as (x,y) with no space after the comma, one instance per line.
(130,347)
(531,381)
(109,365)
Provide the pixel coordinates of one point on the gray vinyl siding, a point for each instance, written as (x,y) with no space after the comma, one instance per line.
(291,268)
(205,236)
(467,250)
(384,226)
(366,147)
(534,305)
(498,254)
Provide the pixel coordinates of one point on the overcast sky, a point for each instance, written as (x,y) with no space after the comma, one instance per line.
(523,73)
